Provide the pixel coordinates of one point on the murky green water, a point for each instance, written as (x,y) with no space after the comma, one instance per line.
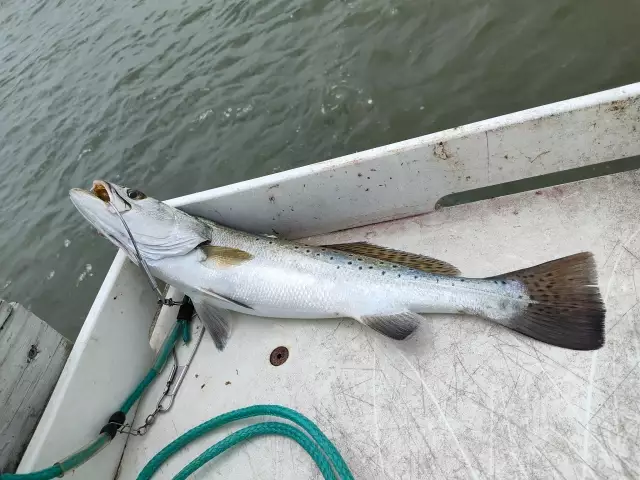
(176,97)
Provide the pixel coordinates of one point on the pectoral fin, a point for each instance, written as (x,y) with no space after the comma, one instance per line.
(412,260)
(216,320)
(223,257)
(395,325)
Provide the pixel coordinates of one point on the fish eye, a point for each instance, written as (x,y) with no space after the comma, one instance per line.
(136,195)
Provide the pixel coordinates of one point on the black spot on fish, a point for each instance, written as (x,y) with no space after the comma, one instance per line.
(349,263)
(359,268)
(308,251)
(384,272)
(370,268)
(330,258)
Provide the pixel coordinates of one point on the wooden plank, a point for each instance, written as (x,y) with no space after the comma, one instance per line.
(32,355)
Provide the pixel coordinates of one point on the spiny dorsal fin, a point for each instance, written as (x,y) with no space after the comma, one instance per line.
(413,260)
(224,256)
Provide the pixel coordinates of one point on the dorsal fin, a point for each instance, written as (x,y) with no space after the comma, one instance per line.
(412,260)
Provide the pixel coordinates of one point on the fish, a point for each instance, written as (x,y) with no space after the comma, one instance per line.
(225,270)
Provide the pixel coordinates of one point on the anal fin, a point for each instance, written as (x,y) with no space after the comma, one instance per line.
(395,325)
(216,320)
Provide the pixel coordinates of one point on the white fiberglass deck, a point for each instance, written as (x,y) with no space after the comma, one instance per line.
(462,398)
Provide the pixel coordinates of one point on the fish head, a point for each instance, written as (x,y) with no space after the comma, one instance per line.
(159,230)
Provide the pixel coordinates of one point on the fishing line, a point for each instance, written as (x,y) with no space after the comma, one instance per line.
(154,286)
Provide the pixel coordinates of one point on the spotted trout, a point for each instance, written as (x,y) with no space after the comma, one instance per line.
(223,270)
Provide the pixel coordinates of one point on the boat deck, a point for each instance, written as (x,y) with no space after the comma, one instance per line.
(462,398)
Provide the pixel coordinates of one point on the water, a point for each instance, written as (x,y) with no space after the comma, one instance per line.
(174,97)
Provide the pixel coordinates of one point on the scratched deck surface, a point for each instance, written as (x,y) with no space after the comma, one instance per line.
(463,398)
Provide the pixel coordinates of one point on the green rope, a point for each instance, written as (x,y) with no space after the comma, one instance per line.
(179,330)
(322,442)
(84,454)
(87,452)
(264,428)
(137,393)
(69,463)
(316,444)
(46,474)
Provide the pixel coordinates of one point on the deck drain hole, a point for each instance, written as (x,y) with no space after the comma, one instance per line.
(279,356)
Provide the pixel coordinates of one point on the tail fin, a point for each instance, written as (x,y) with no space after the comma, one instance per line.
(565,307)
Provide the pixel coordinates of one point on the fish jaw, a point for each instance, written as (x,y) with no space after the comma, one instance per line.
(95,210)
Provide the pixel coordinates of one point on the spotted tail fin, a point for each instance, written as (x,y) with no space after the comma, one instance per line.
(564,307)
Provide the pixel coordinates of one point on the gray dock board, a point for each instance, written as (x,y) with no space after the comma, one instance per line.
(32,355)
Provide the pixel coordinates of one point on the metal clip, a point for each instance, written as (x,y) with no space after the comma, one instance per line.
(178,373)
(160,407)
(176,376)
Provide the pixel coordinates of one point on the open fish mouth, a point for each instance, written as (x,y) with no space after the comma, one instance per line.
(108,194)
(99,190)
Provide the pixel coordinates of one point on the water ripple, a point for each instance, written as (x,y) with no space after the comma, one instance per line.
(178,97)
